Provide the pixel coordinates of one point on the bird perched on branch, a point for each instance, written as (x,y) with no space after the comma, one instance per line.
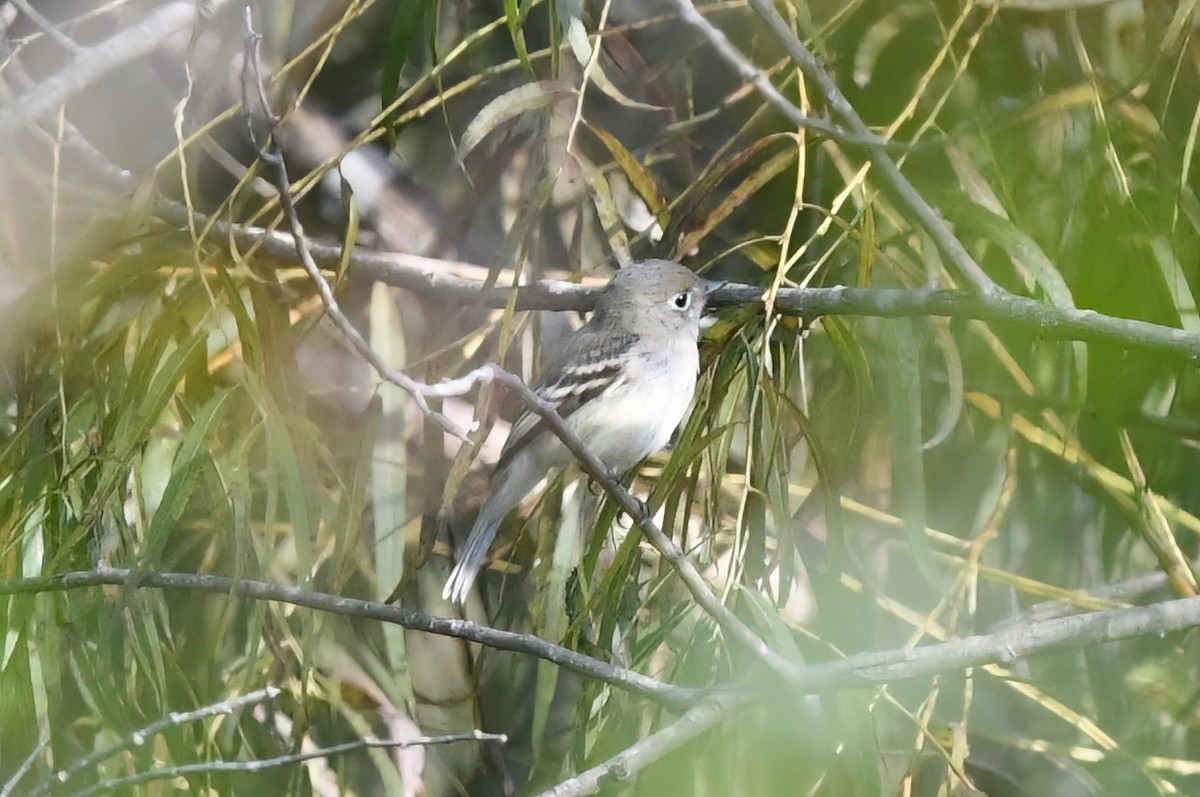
(622,383)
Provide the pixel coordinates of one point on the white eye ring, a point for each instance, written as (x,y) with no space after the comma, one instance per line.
(681,301)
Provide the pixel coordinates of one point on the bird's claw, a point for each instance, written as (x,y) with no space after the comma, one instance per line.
(643,510)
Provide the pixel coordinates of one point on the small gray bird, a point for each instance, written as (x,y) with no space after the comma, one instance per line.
(622,383)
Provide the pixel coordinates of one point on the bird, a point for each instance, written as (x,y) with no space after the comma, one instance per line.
(622,382)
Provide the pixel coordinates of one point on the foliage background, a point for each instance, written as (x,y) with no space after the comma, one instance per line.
(176,398)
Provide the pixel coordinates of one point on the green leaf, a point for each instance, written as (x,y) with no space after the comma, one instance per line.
(508,106)
(606,210)
(514,17)
(638,176)
(570,20)
(1032,262)
(908,462)
(192,457)
(389,466)
(408,26)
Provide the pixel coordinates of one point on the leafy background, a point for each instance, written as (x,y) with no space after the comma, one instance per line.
(176,398)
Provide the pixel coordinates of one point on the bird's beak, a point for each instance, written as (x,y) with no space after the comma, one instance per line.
(706,321)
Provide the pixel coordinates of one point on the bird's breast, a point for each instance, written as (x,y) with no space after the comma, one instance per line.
(636,416)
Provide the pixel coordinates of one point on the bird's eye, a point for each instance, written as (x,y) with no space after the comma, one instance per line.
(681,301)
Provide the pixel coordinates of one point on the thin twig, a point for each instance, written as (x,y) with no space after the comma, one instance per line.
(140,737)
(100,59)
(48,27)
(875,147)
(169,773)
(272,156)
(674,697)
(26,765)
(624,765)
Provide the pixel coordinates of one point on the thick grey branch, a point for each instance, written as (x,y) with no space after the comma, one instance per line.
(1010,644)
(675,697)
(431,277)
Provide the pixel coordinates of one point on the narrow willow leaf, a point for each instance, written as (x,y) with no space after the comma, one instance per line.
(554,619)
(878,35)
(514,17)
(147,644)
(248,337)
(1182,21)
(508,106)
(638,176)
(1176,282)
(908,464)
(827,476)
(952,411)
(745,189)
(1029,258)
(1155,529)
(164,383)
(147,395)
(689,203)
(606,210)
(389,465)
(283,463)
(192,457)
(571,24)
(408,25)
(866,247)
(353,219)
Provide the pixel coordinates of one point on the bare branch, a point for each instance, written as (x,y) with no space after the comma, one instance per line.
(624,765)
(102,58)
(876,148)
(1045,636)
(26,765)
(674,697)
(169,773)
(140,737)
(434,278)
(1009,644)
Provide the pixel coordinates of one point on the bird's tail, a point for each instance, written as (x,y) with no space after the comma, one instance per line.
(470,558)
(509,488)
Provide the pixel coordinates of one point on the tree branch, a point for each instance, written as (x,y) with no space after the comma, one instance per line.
(141,736)
(624,765)
(102,58)
(876,148)
(674,697)
(169,773)
(435,278)
(1006,645)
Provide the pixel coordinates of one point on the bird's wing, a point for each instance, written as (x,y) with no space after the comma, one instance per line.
(587,365)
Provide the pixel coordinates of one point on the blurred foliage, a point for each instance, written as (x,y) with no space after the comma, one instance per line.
(847,484)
